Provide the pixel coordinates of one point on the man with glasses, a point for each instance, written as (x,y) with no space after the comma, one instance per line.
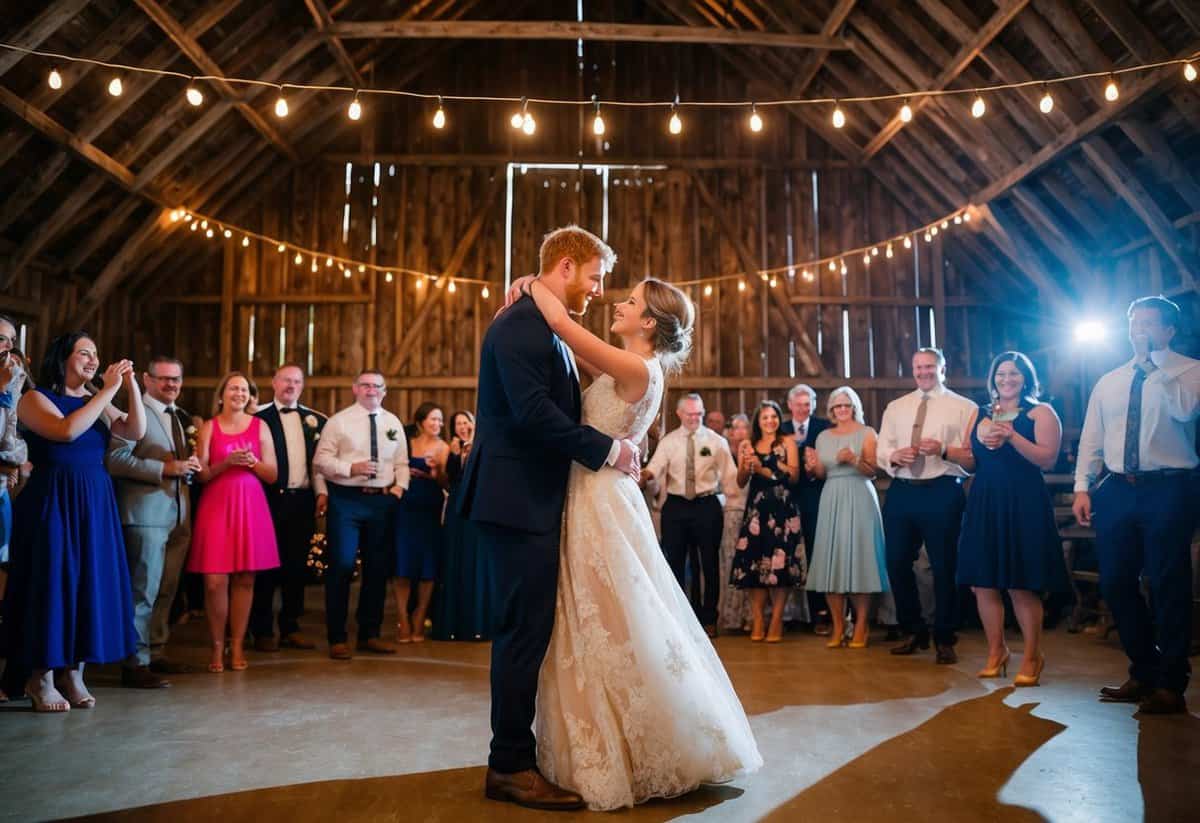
(364,455)
(152,476)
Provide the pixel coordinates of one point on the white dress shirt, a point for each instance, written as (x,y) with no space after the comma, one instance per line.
(715,472)
(159,409)
(947,419)
(345,440)
(297,451)
(1170,404)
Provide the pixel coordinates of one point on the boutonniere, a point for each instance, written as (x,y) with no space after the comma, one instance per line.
(310,420)
(392,434)
(191,434)
(705,451)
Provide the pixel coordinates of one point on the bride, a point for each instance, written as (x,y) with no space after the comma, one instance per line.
(633,702)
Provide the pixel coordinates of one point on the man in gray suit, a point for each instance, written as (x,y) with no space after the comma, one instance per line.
(152,495)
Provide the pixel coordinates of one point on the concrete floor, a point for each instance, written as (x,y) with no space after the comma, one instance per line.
(847,735)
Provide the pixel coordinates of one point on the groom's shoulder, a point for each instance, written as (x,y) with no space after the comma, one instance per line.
(522,317)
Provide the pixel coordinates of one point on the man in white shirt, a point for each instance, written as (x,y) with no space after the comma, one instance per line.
(1141,429)
(364,455)
(296,498)
(694,464)
(923,444)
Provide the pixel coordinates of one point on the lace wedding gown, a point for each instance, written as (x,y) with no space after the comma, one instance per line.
(633,702)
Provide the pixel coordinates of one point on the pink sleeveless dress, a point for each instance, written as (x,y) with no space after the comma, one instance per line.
(233,531)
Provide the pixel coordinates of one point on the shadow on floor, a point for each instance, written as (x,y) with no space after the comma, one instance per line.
(1168,763)
(450,795)
(950,768)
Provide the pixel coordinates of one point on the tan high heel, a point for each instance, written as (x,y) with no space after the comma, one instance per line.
(1034,679)
(757,633)
(999,670)
(837,639)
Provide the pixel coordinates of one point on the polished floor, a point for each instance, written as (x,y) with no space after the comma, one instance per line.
(846,734)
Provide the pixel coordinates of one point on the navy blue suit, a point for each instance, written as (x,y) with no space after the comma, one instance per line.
(514,484)
(806,493)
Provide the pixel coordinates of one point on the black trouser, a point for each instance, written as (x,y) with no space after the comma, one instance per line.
(524,587)
(808,499)
(293,514)
(695,525)
(928,512)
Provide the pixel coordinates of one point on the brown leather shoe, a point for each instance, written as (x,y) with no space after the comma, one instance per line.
(267,643)
(141,677)
(161,665)
(296,640)
(531,790)
(1163,701)
(946,655)
(1131,691)
(376,646)
(340,651)
(910,646)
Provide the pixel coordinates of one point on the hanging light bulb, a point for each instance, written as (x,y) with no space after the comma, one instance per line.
(839,117)
(866,259)
(1189,73)
(175,215)
(978,107)
(187,218)
(354,111)
(597,121)
(774,282)
(387,277)
(361,268)
(228,234)
(194,95)
(1111,92)
(741,285)
(928,237)
(708,290)
(808,276)
(208,233)
(907,242)
(933,231)
(874,251)
(888,253)
(281,106)
(845,268)
(420,282)
(281,248)
(245,242)
(298,259)
(945,224)
(56,83)
(958,219)
(756,121)
(439,116)
(204,224)
(966,217)
(195,225)
(1046,104)
(906,113)
(528,124)
(328,262)
(518,118)
(313,267)
(346,273)
(675,125)
(485,293)
(832,266)
(114,87)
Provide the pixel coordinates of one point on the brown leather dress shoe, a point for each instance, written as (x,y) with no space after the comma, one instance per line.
(946,655)
(161,665)
(531,790)
(296,640)
(1131,691)
(340,651)
(910,646)
(376,646)
(266,644)
(141,677)
(1163,701)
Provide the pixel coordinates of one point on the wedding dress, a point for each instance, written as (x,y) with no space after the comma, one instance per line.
(633,702)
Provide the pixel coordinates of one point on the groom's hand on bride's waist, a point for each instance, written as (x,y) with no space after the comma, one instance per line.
(628,459)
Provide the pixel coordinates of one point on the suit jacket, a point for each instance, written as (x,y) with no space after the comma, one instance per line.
(808,489)
(312,422)
(144,496)
(527,428)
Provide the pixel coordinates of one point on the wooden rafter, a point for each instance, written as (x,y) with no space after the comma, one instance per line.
(1162,158)
(324,21)
(813,62)
(52,18)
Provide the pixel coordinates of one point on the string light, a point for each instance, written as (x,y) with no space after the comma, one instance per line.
(195,226)
(958,219)
(204,224)
(874,251)
(774,282)
(354,111)
(114,87)
(451,287)
(945,224)
(906,112)
(1111,92)
(346,273)
(439,116)
(845,268)
(933,231)
(889,253)
(485,293)
(808,276)
(675,125)
(56,83)
(528,124)
(245,242)
(978,108)
(966,217)
(597,121)
(387,277)
(741,285)
(298,259)
(361,268)
(328,262)
(313,267)
(928,237)
(518,117)
(708,290)
(175,215)
(839,117)
(832,266)
(194,95)
(281,248)
(907,242)
(866,259)
(227,233)
(281,105)
(208,233)
(1189,73)
(1046,104)
(756,121)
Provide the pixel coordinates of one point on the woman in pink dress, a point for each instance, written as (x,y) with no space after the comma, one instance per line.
(233,537)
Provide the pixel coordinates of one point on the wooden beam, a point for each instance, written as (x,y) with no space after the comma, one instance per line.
(437,290)
(569,30)
(282,298)
(46,230)
(643,161)
(958,64)
(1013,245)
(198,55)
(324,21)
(1164,161)
(117,267)
(52,18)
(887,300)
(1148,239)
(1126,184)
(813,62)
(33,187)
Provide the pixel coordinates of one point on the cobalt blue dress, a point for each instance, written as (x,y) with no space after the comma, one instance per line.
(68,599)
(419,526)
(461,608)
(1009,539)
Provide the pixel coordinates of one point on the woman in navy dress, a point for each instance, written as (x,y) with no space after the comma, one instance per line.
(69,601)
(460,603)
(419,521)
(1009,539)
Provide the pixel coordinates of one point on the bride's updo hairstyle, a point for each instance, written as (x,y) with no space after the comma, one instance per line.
(673,317)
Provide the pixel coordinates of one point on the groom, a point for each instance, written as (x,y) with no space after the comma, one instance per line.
(514,486)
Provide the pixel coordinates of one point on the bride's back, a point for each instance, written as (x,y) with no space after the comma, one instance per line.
(605,411)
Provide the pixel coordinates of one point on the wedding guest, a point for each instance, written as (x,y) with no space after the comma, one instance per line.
(715,421)
(1141,428)
(769,554)
(151,477)
(13,451)
(732,606)
(419,535)
(1009,537)
(252,407)
(364,455)
(694,464)
(805,427)
(297,497)
(461,605)
(849,558)
(233,537)
(69,601)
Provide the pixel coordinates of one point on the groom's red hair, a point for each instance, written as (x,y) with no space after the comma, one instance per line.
(580,245)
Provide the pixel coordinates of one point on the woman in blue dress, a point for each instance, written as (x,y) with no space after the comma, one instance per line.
(419,522)
(69,601)
(1009,539)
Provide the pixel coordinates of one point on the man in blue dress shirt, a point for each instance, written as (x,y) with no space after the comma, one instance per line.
(1141,429)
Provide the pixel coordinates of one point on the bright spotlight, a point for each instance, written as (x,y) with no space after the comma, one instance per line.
(1090,331)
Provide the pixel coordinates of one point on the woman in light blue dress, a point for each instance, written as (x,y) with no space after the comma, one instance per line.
(848,556)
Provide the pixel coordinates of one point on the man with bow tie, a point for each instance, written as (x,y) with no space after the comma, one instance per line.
(296,498)
(152,495)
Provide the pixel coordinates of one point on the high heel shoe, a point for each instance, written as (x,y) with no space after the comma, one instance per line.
(837,639)
(999,670)
(854,644)
(757,633)
(1034,679)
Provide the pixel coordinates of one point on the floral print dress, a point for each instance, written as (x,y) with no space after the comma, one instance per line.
(770,547)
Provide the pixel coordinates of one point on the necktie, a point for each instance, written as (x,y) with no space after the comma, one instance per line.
(1133,418)
(689,471)
(177,433)
(919,423)
(802,433)
(374,441)
(289,411)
